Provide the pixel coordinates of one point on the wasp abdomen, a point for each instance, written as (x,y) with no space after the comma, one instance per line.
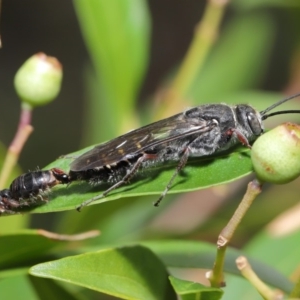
(36,184)
(103,174)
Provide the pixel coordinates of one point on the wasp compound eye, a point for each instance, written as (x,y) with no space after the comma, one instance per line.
(254,123)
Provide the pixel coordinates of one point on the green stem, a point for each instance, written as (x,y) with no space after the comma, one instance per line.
(265,291)
(253,190)
(296,290)
(205,36)
(23,132)
(216,277)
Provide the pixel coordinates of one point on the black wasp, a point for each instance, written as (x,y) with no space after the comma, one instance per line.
(29,188)
(199,131)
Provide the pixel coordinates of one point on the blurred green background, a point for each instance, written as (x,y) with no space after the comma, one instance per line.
(268,44)
(118,62)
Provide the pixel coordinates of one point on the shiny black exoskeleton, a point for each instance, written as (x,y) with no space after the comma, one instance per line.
(200,131)
(29,188)
(37,183)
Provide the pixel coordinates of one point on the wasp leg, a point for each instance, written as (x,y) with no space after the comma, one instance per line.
(240,137)
(68,156)
(180,166)
(5,211)
(124,180)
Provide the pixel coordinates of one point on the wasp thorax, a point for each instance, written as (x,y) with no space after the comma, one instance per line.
(276,154)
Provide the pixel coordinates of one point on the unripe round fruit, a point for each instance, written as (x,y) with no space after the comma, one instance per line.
(276,154)
(38,80)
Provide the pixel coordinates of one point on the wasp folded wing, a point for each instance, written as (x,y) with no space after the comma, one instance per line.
(139,141)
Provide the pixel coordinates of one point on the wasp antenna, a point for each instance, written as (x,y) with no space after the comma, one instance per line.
(262,113)
(281,112)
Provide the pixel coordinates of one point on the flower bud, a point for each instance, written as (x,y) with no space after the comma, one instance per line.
(276,154)
(38,80)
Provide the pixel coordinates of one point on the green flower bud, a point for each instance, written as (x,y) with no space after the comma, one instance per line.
(38,80)
(276,154)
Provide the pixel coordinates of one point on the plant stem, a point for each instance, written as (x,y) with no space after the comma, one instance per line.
(253,190)
(69,237)
(23,132)
(246,270)
(205,35)
(216,277)
(295,293)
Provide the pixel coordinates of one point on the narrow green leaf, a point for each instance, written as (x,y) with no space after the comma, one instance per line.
(198,174)
(49,289)
(127,273)
(13,223)
(116,228)
(23,247)
(193,291)
(15,272)
(17,287)
(238,60)
(117,37)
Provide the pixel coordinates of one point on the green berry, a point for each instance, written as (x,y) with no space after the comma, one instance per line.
(276,154)
(38,81)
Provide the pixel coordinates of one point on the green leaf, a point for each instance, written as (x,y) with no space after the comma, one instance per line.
(17,287)
(239,59)
(193,291)
(187,254)
(13,223)
(49,289)
(198,174)
(117,35)
(15,272)
(116,228)
(127,273)
(23,247)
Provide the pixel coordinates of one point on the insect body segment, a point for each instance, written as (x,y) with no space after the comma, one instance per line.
(30,188)
(199,131)
(35,184)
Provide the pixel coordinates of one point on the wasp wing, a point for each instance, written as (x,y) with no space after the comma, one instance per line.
(139,140)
